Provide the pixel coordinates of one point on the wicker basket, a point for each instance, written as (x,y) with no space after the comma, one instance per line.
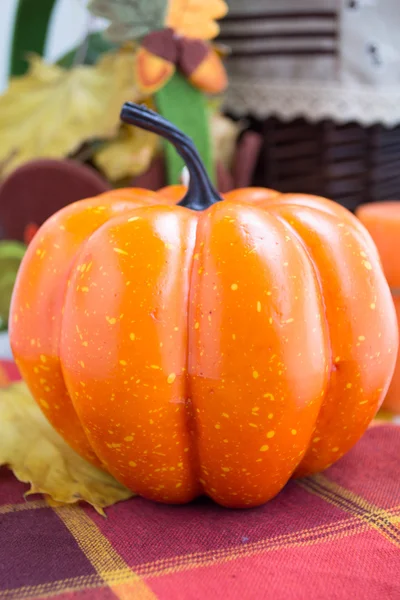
(348,163)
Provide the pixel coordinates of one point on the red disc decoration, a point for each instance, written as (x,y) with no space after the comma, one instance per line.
(38,189)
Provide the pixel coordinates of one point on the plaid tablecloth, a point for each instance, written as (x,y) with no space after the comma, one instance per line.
(332,536)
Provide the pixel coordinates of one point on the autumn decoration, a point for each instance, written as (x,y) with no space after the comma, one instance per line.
(187,342)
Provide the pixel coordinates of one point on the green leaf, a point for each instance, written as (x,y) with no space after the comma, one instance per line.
(130,19)
(186,107)
(96,46)
(11,254)
(30,32)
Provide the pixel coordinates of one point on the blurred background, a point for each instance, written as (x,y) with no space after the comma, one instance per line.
(68,25)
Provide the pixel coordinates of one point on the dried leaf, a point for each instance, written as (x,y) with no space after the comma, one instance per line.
(196,18)
(129,155)
(50,111)
(224,137)
(38,455)
(130,19)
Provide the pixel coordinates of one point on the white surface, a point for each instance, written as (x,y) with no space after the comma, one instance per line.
(5,350)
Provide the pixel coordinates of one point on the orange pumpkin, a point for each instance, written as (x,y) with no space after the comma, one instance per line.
(209,347)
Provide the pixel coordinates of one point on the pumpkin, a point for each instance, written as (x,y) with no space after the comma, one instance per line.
(196,346)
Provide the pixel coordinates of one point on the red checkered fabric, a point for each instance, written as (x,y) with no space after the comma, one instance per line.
(335,535)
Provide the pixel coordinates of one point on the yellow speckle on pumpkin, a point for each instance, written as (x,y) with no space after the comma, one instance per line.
(335,449)
(132,337)
(132,463)
(111,320)
(225,441)
(225,469)
(316,439)
(217,426)
(233,336)
(255,374)
(82,364)
(178,485)
(361,338)
(128,438)
(171,378)
(234,287)
(264,448)
(123,363)
(271,416)
(155,367)
(270,320)
(349,385)
(367,265)
(294,432)
(44,403)
(120,251)
(43,358)
(85,289)
(258,306)
(131,219)
(197,325)
(270,434)
(372,306)
(225,415)
(252,425)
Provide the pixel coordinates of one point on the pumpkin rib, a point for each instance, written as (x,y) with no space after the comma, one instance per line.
(256,406)
(356,383)
(191,420)
(318,278)
(45,267)
(135,384)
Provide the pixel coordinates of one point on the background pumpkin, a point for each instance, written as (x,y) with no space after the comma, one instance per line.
(216,347)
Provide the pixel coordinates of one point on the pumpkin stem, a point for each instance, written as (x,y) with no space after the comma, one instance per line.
(201,193)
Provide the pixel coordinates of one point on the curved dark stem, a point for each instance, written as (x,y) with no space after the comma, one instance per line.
(201,193)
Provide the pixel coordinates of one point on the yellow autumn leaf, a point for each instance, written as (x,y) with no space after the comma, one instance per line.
(128,155)
(36,454)
(195,18)
(224,136)
(50,111)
